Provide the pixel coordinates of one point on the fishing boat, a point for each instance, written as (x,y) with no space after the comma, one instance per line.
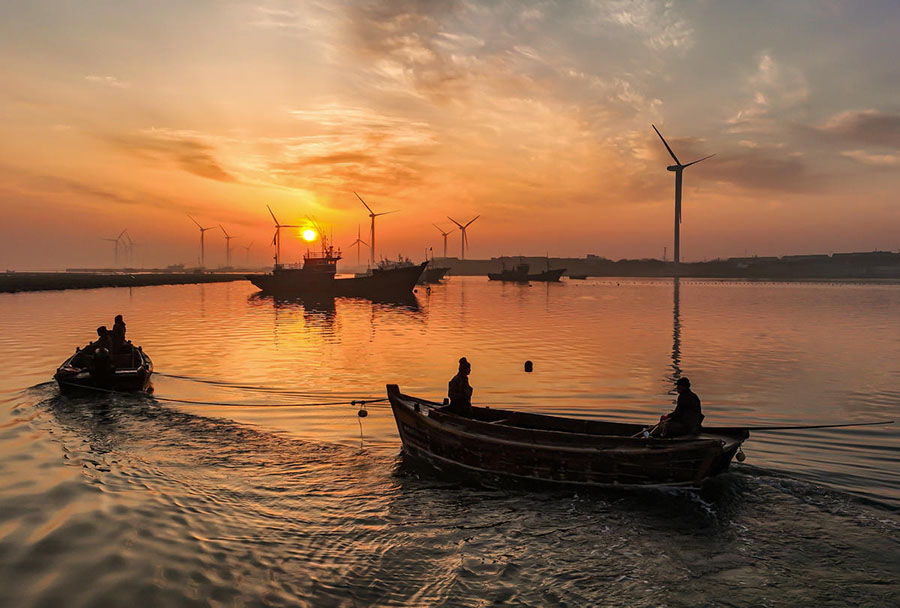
(316,277)
(549,275)
(578,277)
(527,447)
(92,369)
(433,274)
(517,274)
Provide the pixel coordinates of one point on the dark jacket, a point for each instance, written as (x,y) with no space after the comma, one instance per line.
(687,411)
(460,394)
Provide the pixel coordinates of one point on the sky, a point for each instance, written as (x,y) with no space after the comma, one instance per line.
(535,116)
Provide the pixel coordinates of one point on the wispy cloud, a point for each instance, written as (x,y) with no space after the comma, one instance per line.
(109,81)
(873,160)
(186,151)
(865,126)
(772,92)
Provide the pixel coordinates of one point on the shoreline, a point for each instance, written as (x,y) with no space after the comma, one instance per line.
(16,282)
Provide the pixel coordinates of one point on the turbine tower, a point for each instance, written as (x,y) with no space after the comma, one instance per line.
(443,234)
(678,169)
(464,240)
(228,238)
(358,242)
(115,243)
(372,215)
(276,240)
(202,242)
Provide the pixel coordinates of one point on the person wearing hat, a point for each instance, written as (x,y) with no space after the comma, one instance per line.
(685,419)
(459,390)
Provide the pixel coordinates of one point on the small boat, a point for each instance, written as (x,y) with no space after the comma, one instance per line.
(433,274)
(578,277)
(548,276)
(528,447)
(125,371)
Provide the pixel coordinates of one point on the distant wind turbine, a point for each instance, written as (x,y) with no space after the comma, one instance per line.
(228,238)
(247,248)
(357,243)
(276,240)
(372,215)
(202,241)
(129,248)
(115,243)
(464,240)
(678,168)
(443,234)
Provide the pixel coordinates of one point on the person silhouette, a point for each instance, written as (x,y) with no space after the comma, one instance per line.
(118,334)
(685,419)
(459,390)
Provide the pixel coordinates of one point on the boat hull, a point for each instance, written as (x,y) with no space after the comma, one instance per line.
(602,454)
(74,376)
(433,274)
(548,276)
(300,283)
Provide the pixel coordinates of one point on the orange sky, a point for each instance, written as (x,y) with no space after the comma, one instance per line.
(534,115)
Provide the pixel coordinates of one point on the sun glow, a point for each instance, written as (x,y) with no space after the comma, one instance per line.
(309,235)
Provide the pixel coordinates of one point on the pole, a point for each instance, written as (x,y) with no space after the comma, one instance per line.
(678,172)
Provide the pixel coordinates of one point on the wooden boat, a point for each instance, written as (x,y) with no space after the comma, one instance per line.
(125,371)
(433,274)
(578,277)
(528,447)
(316,277)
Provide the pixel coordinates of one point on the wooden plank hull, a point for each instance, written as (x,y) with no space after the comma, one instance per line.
(537,448)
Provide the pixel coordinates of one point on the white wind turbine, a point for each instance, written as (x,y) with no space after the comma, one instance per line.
(276,240)
(202,241)
(443,234)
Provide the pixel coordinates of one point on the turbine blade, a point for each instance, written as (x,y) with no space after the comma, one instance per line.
(223,230)
(386,212)
(455,222)
(677,162)
(472,220)
(700,160)
(364,203)
(272,214)
(195,221)
(274,236)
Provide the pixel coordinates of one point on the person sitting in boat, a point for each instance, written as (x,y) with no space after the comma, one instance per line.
(686,418)
(118,335)
(104,340)
(459,390)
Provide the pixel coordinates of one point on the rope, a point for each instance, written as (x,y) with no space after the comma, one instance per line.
(364,401)
(264,389)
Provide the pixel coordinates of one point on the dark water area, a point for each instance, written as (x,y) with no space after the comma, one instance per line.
(261,497)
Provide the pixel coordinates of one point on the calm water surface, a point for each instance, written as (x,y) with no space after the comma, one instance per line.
(272,491)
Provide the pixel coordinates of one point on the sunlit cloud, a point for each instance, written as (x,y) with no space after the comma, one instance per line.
(874,160)
(109,81)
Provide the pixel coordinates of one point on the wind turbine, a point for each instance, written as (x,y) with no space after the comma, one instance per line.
(678,169)
(443,234)
(372,215)
(464,240)
(129,248)
(358,242)
(228,238)
(276,240)
(115,242)
(247,248)
(202,243)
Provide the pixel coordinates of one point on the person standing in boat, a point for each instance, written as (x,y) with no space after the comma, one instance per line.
(118,335)
(459,390)
(687,416)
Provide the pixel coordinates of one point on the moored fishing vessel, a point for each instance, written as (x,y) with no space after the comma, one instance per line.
(316,276)
(517,274)
(566,451)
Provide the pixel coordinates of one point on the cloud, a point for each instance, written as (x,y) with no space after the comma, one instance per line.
(874,160)
(657,22)
(762,169)
(773,90)
(186,151)
(865,126)
(109,81)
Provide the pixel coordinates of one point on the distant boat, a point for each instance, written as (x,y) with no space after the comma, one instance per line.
(85,371)
(518,274)
(316,277)
(528,447)
(433,274)
(578,277)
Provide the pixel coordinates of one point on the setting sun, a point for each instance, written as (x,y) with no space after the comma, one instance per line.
(309,235)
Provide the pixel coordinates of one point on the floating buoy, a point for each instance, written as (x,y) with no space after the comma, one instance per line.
(529,366)
(362,413)
(740,456)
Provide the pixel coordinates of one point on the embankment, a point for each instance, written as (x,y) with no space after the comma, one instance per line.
(42,281)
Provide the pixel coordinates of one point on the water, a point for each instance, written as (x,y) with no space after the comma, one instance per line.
(124,501)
